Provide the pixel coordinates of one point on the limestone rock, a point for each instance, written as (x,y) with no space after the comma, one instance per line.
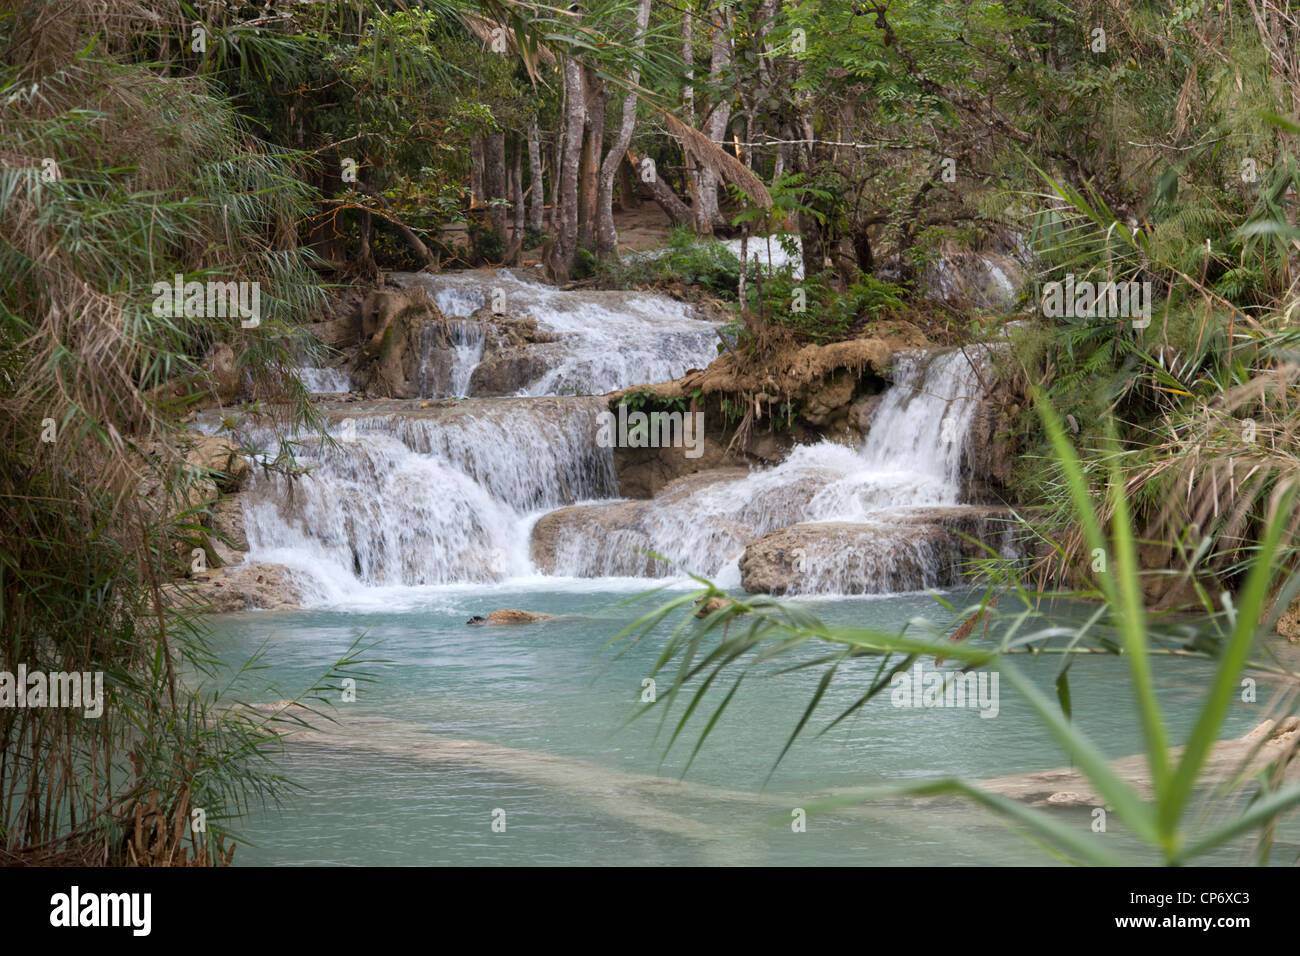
(1288,625)
(392,327)
(644,472)
(594,540)
(904,550)
(222,373)
(221,460)
(507,371)
(705,608)
(227,541)
(244,587)
(831,399)
(511,615)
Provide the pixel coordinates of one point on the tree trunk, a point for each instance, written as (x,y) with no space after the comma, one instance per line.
(593,141)
(517,196)
(606,234)
(662,193)
(566,246)
(495,178)
(688,112)
(476,171)
(628,196)
(814,256)
(537,206)
(708,214)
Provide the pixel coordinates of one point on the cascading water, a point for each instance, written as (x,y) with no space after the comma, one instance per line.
(403,500)
(446,372)
(324,381)
(446,495)
(606,340)
(912,458)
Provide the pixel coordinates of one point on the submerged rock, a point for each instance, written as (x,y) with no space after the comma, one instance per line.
(705,608)
(510,615)
(1288,625)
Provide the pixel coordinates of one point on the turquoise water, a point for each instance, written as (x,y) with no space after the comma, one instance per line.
(545,706)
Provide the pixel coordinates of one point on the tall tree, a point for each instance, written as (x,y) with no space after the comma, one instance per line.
(606,235)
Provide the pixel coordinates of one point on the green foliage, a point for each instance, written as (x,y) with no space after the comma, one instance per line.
(688,260)
(149,177)
(648,400)
(827,313)
(744,634)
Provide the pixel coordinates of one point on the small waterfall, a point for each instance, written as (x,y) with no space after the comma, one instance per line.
(448,495)
(913,457)
(403,500)
(445,372)
(607,340)
(324,381)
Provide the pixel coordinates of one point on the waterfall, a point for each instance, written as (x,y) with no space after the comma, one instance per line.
(604,340)
(446,372)
(405,500)
(913,457)
(411,496)
(323,381)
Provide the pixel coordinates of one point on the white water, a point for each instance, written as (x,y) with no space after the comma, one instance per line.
(451,498)
(607,339)
(448,375)
(412,500)
(424,501)
(324,381)
(912,457)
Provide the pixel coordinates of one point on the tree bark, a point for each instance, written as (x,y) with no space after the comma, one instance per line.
(517,196)
(476,171)
(708,214)
(606,234)
(688,111)
(537,205)
(662,193)
(566,246)
(593,141)
(495,178)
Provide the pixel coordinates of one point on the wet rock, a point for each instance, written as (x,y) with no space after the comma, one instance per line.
(903,550)
(227,540)
(511,615)
(221,460)
(1066,798)
(644,472)
(570,541)
(223,375)
(507,371)
(392,329)
(1288,625)
(245,587)
(831,399)
(707,607)
(604,539)
(862,412)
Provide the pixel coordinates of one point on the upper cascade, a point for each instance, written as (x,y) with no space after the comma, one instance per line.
(603,340)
